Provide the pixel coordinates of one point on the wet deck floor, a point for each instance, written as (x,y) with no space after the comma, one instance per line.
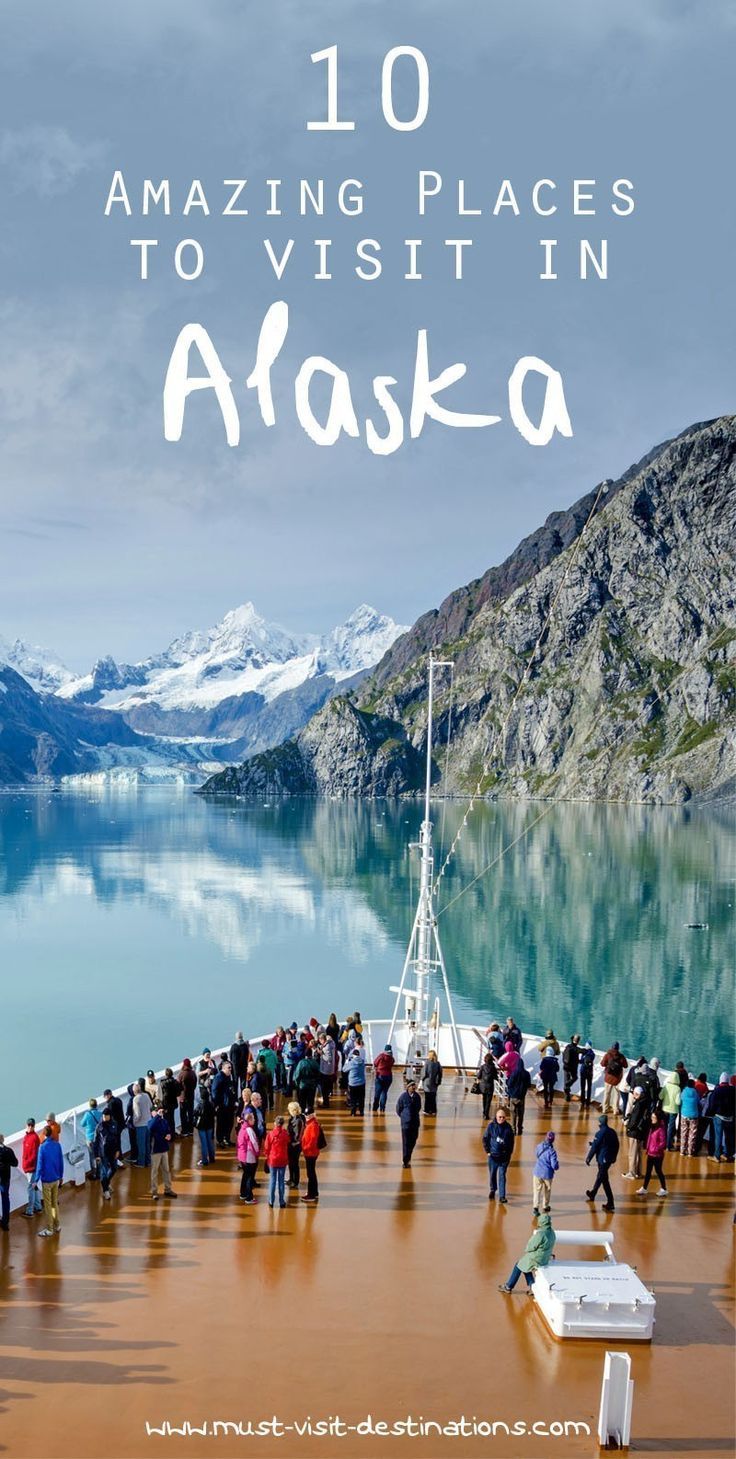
(381,1301)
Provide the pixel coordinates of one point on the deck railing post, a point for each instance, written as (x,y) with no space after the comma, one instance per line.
(617,1397)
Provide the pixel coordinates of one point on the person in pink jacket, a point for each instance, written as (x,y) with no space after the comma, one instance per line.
(656,1146)
(510,1060)
(248,1152)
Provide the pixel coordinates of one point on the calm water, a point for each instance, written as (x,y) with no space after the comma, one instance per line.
(137,927)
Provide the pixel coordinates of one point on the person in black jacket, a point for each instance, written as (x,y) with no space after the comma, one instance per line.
(170,1093)
(604,1148)
(636,1125)
(239,1059)
(224,1101)
(408,1108)
(487,1081)
(117,1115)
(513,1034)
(107,1150)
(570,1064)
(498,1143)
(8,1162)
(518,1085)
(188,1081)
(587,1060)
(647,1078)
(431,1080)
(721,1108)
(204,1121)
(630,1082)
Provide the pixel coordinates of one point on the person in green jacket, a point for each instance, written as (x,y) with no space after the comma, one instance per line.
(670,1100)
(538,1252)
(306,1082)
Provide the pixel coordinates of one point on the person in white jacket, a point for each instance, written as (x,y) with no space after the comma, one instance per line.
(142,1111)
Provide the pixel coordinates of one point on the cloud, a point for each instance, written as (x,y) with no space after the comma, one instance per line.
(46,160)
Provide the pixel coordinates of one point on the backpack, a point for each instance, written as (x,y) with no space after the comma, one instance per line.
(614,1067)
(203,1112)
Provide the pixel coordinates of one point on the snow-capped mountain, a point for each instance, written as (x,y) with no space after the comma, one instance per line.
(359,643)
(41,668)
(241,655)
(211,697)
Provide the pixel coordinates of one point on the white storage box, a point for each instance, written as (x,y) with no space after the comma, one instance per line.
(594,1299)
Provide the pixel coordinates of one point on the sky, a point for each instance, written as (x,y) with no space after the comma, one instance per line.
(114,540)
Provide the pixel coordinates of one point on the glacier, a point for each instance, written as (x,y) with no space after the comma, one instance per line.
(212,697)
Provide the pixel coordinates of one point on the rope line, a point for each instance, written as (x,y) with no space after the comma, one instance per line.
(447,755)
(602,489)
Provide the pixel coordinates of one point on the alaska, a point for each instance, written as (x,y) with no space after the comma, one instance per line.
(341,417)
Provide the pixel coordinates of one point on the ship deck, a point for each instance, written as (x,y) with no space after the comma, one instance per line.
(381,1301)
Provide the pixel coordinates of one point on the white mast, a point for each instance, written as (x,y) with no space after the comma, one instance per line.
(424,953)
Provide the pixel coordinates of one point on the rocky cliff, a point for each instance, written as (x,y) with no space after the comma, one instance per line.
(342,751)
(632,692)
(42,737)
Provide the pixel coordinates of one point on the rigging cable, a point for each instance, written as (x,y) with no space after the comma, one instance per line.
(447,756)
(602,489)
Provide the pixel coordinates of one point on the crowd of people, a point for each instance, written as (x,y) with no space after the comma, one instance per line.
(680,1113)
(229,1103)
(259,1106)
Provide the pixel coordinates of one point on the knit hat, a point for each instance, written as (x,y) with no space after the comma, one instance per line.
(723,1079)
(387,1048)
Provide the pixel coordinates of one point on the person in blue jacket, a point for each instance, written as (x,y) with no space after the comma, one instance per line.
(545,1165)
(549,1068)
(604,1150)
(498,1143)
(355,1066)
(689,1118)
(49,1175)
(161,1135)
(293,1055)
(89,1122)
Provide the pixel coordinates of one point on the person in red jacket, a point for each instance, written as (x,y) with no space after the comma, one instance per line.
(28,1161)
(614,1064)
(313,1140)
(276,1152)
(656,1146)
(383,1067)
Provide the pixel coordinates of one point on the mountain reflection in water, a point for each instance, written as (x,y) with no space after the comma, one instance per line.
(136,927)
